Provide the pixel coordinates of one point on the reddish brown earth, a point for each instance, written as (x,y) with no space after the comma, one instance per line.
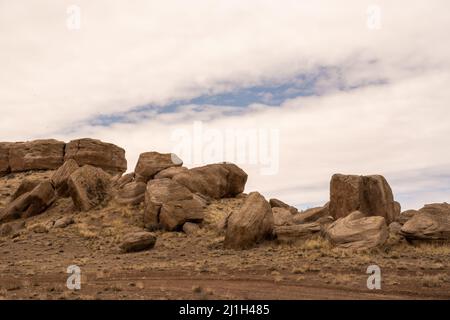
(33,264)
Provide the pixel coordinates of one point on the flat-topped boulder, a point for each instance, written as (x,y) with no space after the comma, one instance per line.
(370,195)
(221,180)
(107,156)
(151,163)
(36,155)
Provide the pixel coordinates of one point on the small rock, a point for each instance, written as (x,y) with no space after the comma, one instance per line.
(138,241)
(190,228)
(63,222)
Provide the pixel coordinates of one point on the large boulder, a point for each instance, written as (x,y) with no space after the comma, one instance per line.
(251,224)
(26,185)
(36,155)
(30,203)
(138,241)
(292,233)
(169,173)
(151,163)
(432,222)
(131,193)
(4,158)
(88,187)
(61,176)
(358,231)
(221,180)
(370,195)
(311,215)
(107,156)
(276,203)
(169,205)
(282,216)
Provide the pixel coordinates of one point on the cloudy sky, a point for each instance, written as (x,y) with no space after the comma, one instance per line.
(359,89)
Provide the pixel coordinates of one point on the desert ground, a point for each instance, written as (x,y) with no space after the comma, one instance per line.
(34,260)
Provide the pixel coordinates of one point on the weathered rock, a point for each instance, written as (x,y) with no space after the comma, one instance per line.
(36,155)
(169,205)
(4,158)
(251,224)
(125,179)
(169,173)
(432,222)
(405,216)
(282,216)
(394,228)
(131,193)
(26,185)
(63,222)
(311,215)
(296,232)
(88,187)
(10,228)
(370,195)
(61,176)
(151,163)
(107,156)
(138,241)
(29,204)
(217,181)
(190,228)
(358,231)
(275,203)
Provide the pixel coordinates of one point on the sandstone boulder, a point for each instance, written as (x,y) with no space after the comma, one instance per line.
(125,179)
(370,195)
(169,173)
(296,232)
(151,163)
(61,176)
(311,215)
(26,185)
(107,156)
(275,203)
(217,181)
(169,205)
(4,158)
(131,193)
(358,231)
(282,216)
(36,155)
(29,204)
(251,224)
(138,241)
(88,187)
(432,222)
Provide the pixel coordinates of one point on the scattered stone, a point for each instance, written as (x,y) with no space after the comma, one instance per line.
(169,173)
(61,176)
(312,214)
(275,203)
(217,181)
(190,228)
(282,216)
(357,231)
(370,195)
(151,163)
(39,228)
(131,193)
(107,156)
(432,222)
(88,187)
(295,232)
(63,222)
(36,155)
(251,224)
(138,241)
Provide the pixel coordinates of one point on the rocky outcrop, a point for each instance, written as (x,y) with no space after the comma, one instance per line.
(131,193)
(358,231)
(217,181)
(169,205)
(370,195)
(36,155)
(296,232)
(312,214)
(30,203)
(138,241)
(251,224)
(282,216)
(61,176)
(107,156)
(151,163)
(432,222)
(275,203)
(88,187)
(169,173)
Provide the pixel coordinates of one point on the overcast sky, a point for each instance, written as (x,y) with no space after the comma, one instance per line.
(347,90)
